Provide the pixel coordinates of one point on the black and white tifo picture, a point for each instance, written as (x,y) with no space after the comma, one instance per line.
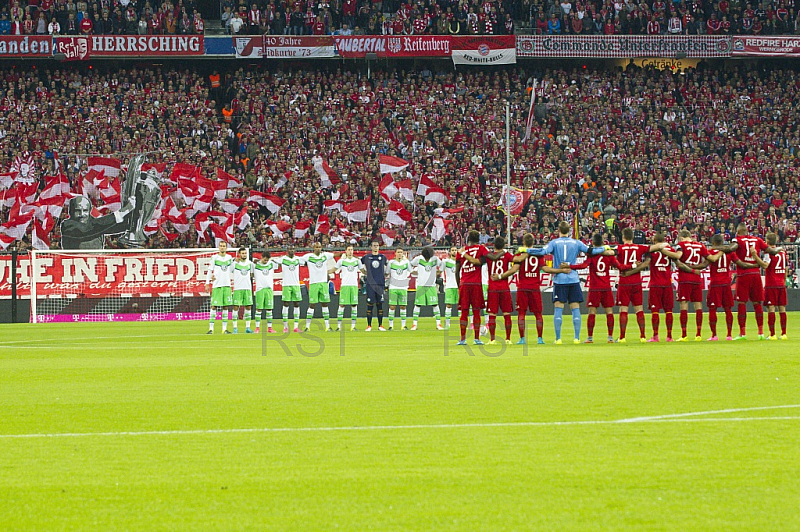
(140,194)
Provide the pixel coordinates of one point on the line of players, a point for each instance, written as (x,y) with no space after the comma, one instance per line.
(466,289)
(376,269)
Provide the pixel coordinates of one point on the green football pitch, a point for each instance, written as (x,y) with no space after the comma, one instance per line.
(157,426)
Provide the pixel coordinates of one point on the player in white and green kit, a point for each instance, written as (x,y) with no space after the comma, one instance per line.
(318,289)
(399,275)
(290,268)
(264,272)
(426,266)
(219,281)
(348,268)
(448,267)
(242,290)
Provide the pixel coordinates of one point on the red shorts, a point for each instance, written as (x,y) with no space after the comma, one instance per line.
(629,294)
(470,295)
(661,298)
(719,297)
(749,288)
(500,300)
(775,297)
(529,301)
(600,298)
(690,292)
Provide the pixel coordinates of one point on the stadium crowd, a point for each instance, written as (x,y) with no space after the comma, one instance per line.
(654,150)
(446,17)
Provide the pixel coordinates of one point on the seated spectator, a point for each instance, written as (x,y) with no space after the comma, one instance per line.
(554,25)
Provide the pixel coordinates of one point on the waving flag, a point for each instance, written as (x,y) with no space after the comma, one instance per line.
(326,173)
(425,183)
(241,220)
(301,228)
(109,166)
(323,225)
(515,200)
(271,203)
(392,165)
(17,224)
(333,205)
(5,240)
(440,228)
(24,168)
(437,195)
(387,188)
(388,236)
(529,121)
(278,227)
(40,236)
(345,232)
(406,189)
(444,213)
(397,214)
(358,211)
(232,205)
(229,180)
(7,179)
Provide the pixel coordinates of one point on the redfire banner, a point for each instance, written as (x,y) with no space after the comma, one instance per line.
(28,46)
(485,50)
(766,46)
(289,47)
(394,46)
(73,48)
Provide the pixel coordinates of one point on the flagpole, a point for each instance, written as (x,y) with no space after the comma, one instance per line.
(508,173)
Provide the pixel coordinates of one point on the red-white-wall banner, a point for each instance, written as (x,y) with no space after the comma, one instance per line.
(28,46)
(289,47)
(73,48)
(766,46)
(146,45)
(485,50)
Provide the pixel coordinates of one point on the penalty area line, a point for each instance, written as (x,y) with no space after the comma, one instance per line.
(689,417)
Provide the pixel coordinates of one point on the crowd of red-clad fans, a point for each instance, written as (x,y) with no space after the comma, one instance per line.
(445,17)
(651,149)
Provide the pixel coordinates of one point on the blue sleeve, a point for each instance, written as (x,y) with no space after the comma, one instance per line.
(582,247)
(597,251)
(538,252)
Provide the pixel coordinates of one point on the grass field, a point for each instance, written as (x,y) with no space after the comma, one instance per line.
(155,426)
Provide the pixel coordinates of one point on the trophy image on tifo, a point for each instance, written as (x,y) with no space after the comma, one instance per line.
(145,187)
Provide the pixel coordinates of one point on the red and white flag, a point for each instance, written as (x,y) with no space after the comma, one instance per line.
(425,183)
(17,224)
(387,188)
(440,228)
(333,205)
(326,173)
(514,200)
(345,232)
(437,195)
(271,203)
(169,236)
(7,180)
(24,168)
(55,187)
(301,228)
(444,213)
(183,171)
(358,211)
(5,240)
(388,236)
(278,227)
(406,189)
(40,236)
(323,225)
(397,214)
(231,205)
(160,168)
(241,220)
(107,165)
(392,165)
(229,180)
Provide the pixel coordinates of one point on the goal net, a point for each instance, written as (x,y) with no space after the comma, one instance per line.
(119,285)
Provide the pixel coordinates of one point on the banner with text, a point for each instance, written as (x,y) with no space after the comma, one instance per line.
(766,46)
(484,50)
(73,48)
(394,46)
(288,47)
(249,47)
(624,46)
(132,45)
(28,46)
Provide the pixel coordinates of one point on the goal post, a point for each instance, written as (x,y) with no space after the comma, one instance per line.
(119,285)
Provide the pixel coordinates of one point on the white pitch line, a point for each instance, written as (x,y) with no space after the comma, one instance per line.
(669,418)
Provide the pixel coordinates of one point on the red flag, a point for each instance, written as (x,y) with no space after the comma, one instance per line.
(397,214)
(322,226)
(440,228)
(229,180)
(272,203)
(278,227)
(326,173)
(387,188)
(241,220)
(424,184)
(358,211)
(391,165)
(437,195)
(301,228)
(109,166)
(40,236)
(444,213)
(515,200)
(231,205)
(406,189)
(333,205)
(388,236)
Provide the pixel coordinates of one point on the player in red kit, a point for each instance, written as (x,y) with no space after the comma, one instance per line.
(499,292)
(529,282)
(662,295)
(690,285)
(775,284)
(629,291)
(470,289)
(600,294)
(748,281)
